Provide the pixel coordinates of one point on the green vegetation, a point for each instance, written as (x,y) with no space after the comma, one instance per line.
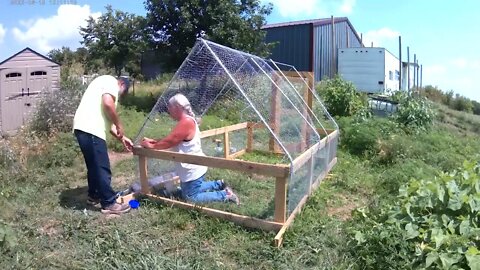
(433,224)
(175,26)
(117,39)
(115,42)
(414,202)
(341,98)
(413,112)
(453,101)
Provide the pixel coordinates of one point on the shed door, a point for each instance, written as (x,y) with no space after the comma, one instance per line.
(13,90)
(38,82)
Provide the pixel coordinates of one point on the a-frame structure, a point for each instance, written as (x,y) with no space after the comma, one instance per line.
(256,106)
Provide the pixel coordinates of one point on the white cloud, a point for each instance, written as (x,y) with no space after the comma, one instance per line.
(3,31)
(305,9)
(460,63)
(464,63)
(61,29)
(347,6)
(301,7)
(381,37)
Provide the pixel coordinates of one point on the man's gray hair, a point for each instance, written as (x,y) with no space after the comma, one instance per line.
(182,101)
(125,82)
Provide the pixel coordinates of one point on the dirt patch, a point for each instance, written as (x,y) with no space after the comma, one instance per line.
(116,157)
(50,228)
(344,207)
(122,180)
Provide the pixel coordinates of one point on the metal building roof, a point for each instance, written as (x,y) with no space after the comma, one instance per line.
(315,22)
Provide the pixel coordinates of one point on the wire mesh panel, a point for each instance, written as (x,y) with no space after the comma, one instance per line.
(298,186)
(323,120)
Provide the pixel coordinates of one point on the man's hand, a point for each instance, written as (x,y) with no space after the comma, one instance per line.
(119,130)
(148,143)
(127,143)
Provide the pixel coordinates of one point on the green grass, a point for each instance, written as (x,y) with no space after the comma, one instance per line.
(45,223)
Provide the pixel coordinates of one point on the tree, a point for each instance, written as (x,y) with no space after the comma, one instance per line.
(175,24)
(476,107)
(116,38)
(72,62)
(63,56)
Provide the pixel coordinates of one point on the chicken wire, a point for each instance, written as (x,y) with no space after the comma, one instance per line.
(227,86)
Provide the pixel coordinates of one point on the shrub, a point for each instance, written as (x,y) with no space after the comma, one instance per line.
(8,158)
(476,107)
(392,150)
(434,224)
(143,102)
(55,111)
(341,98)
(363,137)
(461,103)
(414,112)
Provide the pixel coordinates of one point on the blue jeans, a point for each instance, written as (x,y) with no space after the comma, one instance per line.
(99,176)
(201,191)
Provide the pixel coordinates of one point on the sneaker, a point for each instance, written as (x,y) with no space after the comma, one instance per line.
(93,201)
(232,197)
(116,208)
(222,184)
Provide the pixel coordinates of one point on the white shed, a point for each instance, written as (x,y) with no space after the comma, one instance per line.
(371,70)
(23,77)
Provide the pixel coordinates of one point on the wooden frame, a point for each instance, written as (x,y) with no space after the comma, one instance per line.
(282,219)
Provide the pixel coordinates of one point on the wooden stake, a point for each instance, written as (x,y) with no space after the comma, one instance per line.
(250,137)
(226,145)
(275,112)
(280,199)
(142,163)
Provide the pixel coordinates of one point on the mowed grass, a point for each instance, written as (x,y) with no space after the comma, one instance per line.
(54,228)
(46,224)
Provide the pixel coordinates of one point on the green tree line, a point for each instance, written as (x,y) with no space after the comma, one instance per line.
(450,99)
(116,40)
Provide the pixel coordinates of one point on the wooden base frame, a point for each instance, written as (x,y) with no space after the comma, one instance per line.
(281,172)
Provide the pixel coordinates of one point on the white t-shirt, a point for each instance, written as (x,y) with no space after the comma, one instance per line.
(90,116)
(186,171)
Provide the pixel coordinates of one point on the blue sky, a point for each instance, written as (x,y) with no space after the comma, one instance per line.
(442,33)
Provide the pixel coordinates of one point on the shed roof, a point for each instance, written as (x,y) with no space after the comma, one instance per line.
(28,49)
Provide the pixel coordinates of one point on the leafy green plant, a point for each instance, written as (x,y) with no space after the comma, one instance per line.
(341,98)
(414,112)
(363,137)
(435,224)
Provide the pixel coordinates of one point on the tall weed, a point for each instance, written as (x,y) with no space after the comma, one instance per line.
(341,98)
(414,113)
(55,111)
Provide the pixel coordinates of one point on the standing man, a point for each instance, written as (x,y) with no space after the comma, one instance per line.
(94,116)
